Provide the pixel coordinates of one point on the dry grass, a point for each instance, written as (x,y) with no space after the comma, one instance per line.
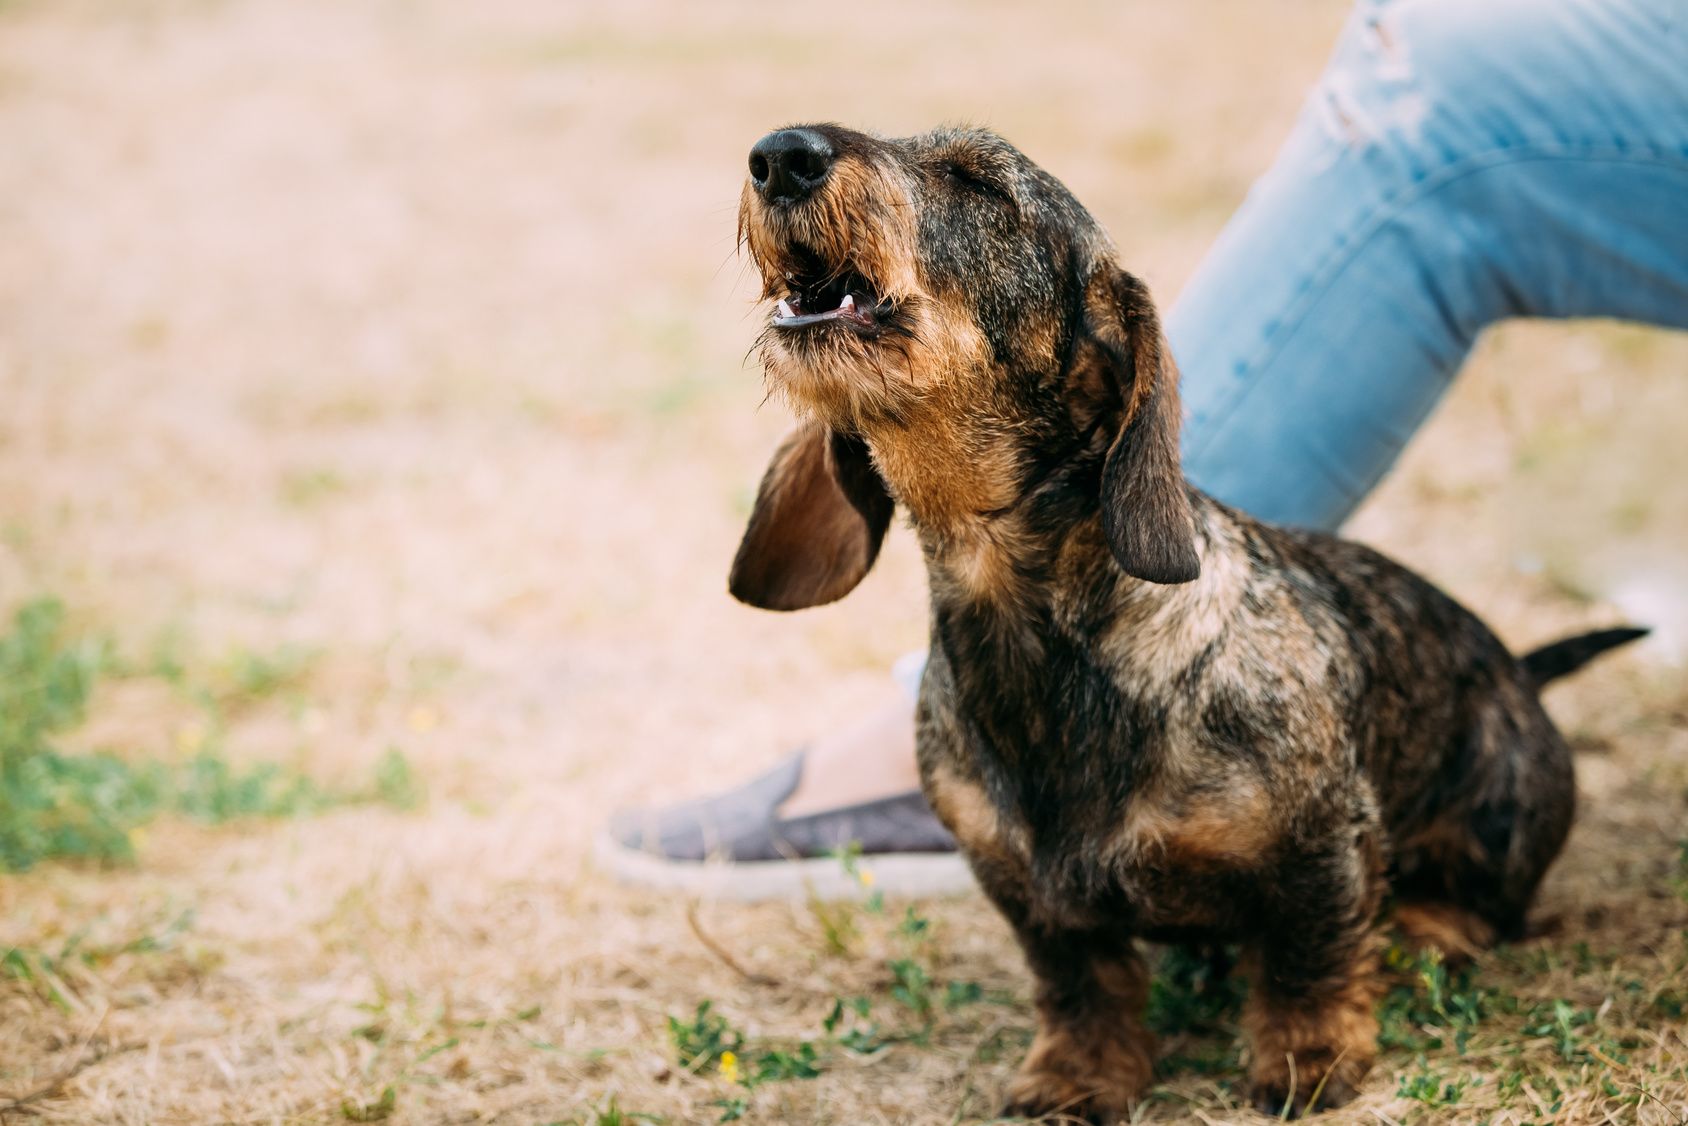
(408,334)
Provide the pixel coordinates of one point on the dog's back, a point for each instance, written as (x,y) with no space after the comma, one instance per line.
(1473,781)
(1296,667)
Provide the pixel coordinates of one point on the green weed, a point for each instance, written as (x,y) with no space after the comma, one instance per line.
(611,1114)
(397,784)
(1433,1007)
(774,1066)
(378,1109)
(849,1025)
(1431,1088)
(702,1041)
(733,1108)
(1569,1028)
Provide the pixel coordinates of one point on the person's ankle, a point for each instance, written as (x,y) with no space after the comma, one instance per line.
(868,760)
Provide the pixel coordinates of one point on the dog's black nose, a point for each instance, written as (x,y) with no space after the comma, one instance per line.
(786,166)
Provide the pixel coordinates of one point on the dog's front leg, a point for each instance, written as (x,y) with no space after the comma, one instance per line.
(1310,1016)
(1092,1057)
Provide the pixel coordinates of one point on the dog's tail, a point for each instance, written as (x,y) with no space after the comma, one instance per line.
(1561,658)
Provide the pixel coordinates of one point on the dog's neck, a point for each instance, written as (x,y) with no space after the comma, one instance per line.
(947,465)
(1018,543)
(996,520)
(1006,503)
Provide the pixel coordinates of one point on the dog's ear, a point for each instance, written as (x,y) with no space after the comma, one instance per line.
(820,516)
(1145,503)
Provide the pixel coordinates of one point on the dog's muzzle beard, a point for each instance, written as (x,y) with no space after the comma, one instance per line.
(851,371)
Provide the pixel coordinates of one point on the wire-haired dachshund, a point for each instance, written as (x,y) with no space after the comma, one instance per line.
(1145,715)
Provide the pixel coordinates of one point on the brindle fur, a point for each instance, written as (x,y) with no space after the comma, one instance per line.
(1145,715)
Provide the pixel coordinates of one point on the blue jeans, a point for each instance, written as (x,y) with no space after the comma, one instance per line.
(1459,162)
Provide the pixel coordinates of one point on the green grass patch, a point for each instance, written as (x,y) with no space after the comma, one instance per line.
(59,806)
(1431,1007)
(74,972)
(914,1002)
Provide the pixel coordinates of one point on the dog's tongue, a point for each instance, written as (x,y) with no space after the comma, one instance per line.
(786,311)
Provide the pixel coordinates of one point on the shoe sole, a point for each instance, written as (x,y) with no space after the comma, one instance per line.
(900,874)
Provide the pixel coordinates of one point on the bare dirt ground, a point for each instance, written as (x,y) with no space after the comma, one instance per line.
(409,335)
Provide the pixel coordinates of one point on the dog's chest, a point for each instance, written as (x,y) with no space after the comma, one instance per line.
(1078,790)
(1157,861)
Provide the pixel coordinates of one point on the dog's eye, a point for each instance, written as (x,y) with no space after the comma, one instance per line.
(964,177)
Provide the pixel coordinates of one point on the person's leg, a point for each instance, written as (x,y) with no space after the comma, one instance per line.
(1459,162)
(866,760)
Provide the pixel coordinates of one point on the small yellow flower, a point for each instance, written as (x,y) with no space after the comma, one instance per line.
(729,1066)
(865,876)
(423,719)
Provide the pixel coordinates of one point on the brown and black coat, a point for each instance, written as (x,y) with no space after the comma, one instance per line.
(1145,715)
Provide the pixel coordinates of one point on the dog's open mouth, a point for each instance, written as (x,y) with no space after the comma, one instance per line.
(818,296)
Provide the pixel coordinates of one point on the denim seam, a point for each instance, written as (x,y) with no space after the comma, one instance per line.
(1342,256)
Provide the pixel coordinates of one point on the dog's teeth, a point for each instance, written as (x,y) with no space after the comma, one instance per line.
(785,308)
(848,304)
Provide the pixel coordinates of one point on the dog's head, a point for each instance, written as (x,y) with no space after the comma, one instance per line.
(945,285)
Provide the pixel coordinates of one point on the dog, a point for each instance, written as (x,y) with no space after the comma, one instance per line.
(1145,715)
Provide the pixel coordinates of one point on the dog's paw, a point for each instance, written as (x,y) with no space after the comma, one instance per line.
(1059,1096)
(1052,1097)
(1090,1074)
(1280,1096)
